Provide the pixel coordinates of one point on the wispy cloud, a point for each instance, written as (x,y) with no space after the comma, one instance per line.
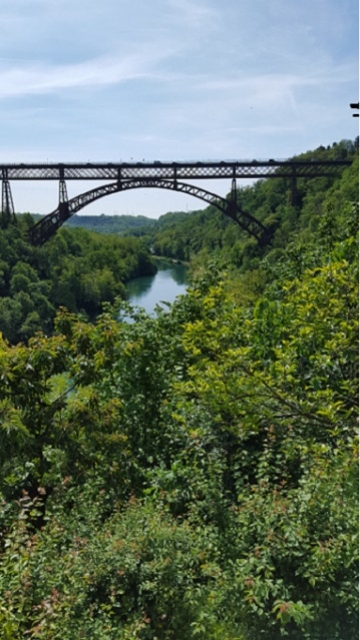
(271,86)
(264,82)
(194,14)
(41,78)
(175,78)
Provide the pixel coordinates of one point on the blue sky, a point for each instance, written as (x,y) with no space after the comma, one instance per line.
(171,80)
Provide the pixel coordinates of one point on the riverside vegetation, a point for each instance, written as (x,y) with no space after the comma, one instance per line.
(78,269)
(191,475)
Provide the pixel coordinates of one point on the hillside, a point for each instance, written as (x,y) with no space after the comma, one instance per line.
(110,224)
(210,232)
(182,236)
(77,269)
(192,475)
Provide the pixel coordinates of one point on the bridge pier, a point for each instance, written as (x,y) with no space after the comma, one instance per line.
(7,204)
(63,200)
(232,208)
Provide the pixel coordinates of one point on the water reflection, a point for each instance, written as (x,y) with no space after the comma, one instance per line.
(169,282)
(179,274)
(138,288)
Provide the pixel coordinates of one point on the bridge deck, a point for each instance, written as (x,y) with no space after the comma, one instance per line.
(171,170)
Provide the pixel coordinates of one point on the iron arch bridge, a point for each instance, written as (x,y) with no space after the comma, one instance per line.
(159,175)
(46,227)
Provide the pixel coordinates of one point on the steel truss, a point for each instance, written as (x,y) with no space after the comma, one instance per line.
(172,170)
(47,226)
(7,204)
(160,175)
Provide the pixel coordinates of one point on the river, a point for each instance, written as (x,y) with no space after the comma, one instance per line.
(169,282)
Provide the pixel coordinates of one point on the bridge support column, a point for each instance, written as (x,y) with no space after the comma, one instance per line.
(63,200)
(232,209)
(7,204)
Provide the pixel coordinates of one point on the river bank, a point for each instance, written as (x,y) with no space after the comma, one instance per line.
(183,263)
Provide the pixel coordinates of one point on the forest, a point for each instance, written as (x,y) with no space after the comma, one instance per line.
(78,269)
(192,475)
(114,224)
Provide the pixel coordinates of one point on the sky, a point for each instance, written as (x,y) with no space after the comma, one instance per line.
(171,80)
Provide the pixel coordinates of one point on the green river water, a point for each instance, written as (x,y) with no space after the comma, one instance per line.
(169,282)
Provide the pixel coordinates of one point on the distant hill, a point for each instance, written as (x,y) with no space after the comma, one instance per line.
(118,225)
(110,224)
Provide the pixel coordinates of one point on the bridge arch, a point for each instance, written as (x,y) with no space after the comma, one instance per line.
(47,226)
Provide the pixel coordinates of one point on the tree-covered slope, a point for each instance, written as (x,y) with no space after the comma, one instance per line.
(210,232)
(193,475)
(110,224)
(77,269)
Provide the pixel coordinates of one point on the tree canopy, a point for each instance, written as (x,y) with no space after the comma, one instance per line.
(194,474)
(77,269)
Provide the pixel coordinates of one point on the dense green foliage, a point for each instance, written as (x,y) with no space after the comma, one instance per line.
(76,269)
(182,236)
(209,232)
(192,475)
(110,224)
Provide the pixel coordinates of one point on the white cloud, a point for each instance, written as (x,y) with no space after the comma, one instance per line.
(40,78)
(194,13)
(168,79)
